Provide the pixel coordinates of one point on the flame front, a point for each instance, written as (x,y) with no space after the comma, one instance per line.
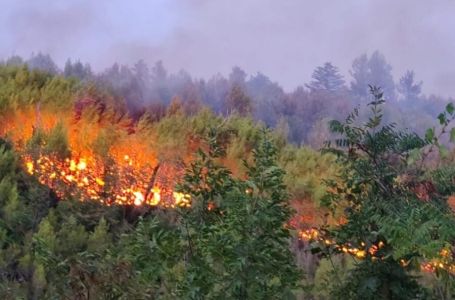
(122,175)
(89,179)
(444,262)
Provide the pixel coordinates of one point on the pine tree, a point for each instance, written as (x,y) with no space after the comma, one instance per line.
(237,101)
(408,87)
(326,78)
(43,62)
(372,71)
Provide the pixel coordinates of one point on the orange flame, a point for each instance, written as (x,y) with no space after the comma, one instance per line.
(443,263)
(122,178)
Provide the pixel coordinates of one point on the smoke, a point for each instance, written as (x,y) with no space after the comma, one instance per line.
(285,40)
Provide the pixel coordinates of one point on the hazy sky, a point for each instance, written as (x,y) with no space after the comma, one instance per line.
(284,39)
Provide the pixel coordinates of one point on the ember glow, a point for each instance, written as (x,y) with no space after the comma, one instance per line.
(444,262)
(129,173)
(89,179)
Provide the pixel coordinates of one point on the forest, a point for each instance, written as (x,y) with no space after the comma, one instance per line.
(137,183)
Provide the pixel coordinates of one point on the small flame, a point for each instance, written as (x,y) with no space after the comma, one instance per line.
(99,181)
(361,254)
(82,165)
(73,166)
(138,198)
(374,253)
(30,167)
(181,200)
(156,196)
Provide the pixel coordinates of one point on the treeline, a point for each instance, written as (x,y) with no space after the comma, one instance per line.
(302,114)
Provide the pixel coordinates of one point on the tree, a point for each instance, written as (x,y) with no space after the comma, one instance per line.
(159,73)
(393,215)
(237,77)
(237,245)
(216,90)
(408,87)
(122,80)
(43,62)
(372,71)
(238,101)
(159,84)
(154,251)
(267,96)
(15,60)
(142,75)
(326,78)
(77,70)
(23,204)
(57,141)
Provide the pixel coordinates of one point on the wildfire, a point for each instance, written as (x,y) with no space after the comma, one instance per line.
(443,263)
(128,179)
(126,173)
(89,179)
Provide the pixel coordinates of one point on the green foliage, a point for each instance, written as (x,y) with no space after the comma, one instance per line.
(57,141)
(330,272)
(385,280)
(19,217)
(443,178)
(100,239)
(21,87)
(236,239)
(237,101)
(306,170)
(385,200)
(154,251)
(37,140)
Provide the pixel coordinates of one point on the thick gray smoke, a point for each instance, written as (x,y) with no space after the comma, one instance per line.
(284,39)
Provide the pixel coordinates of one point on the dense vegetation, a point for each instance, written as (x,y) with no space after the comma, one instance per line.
(302,114)
(253,191)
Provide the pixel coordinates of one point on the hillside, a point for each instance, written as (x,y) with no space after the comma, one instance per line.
(102,197)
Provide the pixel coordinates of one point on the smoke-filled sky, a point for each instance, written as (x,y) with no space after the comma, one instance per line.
(284,39)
